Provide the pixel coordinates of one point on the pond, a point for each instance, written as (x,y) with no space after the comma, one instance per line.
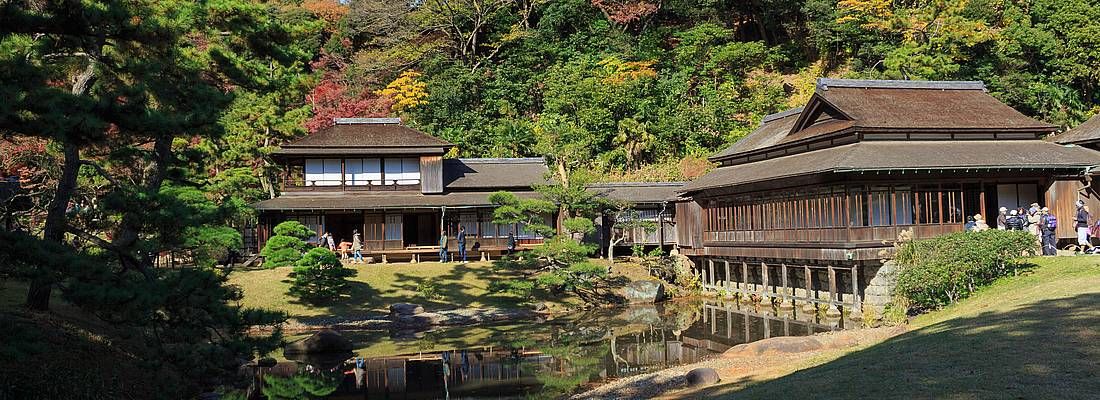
(545,359)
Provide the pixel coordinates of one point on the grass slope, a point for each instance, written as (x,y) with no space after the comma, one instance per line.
(1031,336)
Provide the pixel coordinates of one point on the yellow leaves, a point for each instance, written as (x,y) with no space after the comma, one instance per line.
(804,84)
(407,91)
(872,14)
(619,72)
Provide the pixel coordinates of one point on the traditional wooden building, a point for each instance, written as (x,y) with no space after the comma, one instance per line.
(803,207)
(650,201)
(392,183)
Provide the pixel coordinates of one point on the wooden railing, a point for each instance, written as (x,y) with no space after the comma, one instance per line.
(322,186)
(830,235)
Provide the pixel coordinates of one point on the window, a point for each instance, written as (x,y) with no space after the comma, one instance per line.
(402,171)
(393,227)
(468,221)
(362,171)
(322,172)
(903,213)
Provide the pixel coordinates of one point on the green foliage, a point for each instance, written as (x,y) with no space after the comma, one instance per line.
(319,277)
(285,248)
(293,229)
(533,213)
(579,225)
(943,270)
(301,385)
(428,289)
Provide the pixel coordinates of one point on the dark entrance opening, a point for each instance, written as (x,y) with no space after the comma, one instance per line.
(341,226)
(420,229)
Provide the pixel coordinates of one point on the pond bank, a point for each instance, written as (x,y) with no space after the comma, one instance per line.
(742,364)
(463,316)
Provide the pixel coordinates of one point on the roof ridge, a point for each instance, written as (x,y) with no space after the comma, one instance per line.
(826,83)
(353,121)
(635,184)
(781,114)
(503,160)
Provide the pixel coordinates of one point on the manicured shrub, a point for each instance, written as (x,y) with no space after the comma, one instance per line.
(319,277)
(943,270)
(288,244)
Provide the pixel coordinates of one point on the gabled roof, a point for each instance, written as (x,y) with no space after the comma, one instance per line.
(900,156)
(637,192)
(849,106)
(487,173)
(366,136)
(773,128)
(1088,132)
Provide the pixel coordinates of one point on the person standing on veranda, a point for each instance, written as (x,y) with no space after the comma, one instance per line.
(443,245)
(461,243)
(357,247)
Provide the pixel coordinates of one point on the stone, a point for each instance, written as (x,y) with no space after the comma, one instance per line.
(399,309)
(643,292)
(324,341)
(701,377)
(422,320)
(541,307)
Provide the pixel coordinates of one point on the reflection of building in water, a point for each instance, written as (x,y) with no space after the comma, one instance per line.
(625,350)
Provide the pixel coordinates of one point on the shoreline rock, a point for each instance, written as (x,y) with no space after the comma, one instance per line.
(463,316)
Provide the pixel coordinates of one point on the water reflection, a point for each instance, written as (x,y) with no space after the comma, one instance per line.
(540,359)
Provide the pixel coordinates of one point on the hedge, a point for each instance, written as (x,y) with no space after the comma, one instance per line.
(942,270)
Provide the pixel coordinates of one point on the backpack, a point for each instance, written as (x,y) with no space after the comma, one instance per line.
(1051,222)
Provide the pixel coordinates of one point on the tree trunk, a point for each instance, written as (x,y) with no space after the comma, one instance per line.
(130,227)
(563,210)
(38,293)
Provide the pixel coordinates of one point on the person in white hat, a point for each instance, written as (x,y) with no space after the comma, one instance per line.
(1002,219)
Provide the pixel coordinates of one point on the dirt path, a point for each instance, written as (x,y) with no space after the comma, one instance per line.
(744,364)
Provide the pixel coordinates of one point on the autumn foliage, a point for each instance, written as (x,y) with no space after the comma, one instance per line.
(624,12)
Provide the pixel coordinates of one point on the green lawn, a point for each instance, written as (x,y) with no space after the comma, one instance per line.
(376,286)
(1032,336)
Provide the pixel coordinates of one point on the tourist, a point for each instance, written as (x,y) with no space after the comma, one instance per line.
(1048,226)
(979,223)
(1034,220)
(331,241)
(1015,222)
(344,248)
(971,225)
(511,242)
(1081,221)
(1002,219)
(443,246)
(357,246)
(461,243)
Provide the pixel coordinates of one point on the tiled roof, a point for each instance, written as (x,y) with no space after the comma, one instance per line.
(1088,132)
(482,173)
(637,192)
(903,155)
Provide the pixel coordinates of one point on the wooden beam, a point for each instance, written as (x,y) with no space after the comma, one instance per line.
(785,286)
(745,277)
(764,278)
(728,277)
(857,302)
(832,284)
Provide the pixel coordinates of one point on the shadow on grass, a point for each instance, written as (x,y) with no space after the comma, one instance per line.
(1048,349)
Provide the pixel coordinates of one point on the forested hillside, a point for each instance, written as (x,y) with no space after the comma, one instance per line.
(632,87)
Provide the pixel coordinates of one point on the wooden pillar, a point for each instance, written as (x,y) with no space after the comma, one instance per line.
(834,298)
(744,277)
(857,302)
(764,280)
(786,299)
(729,279)
(710,272)
(810,306)
(748,337)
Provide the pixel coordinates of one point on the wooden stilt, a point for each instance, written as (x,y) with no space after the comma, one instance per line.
(710,272)
(834,298)
(729,279)
(745,278)
(786,301)
(810,307)
(764,291)
(857,301)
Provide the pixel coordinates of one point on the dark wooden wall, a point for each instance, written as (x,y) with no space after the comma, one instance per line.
(1060,198)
